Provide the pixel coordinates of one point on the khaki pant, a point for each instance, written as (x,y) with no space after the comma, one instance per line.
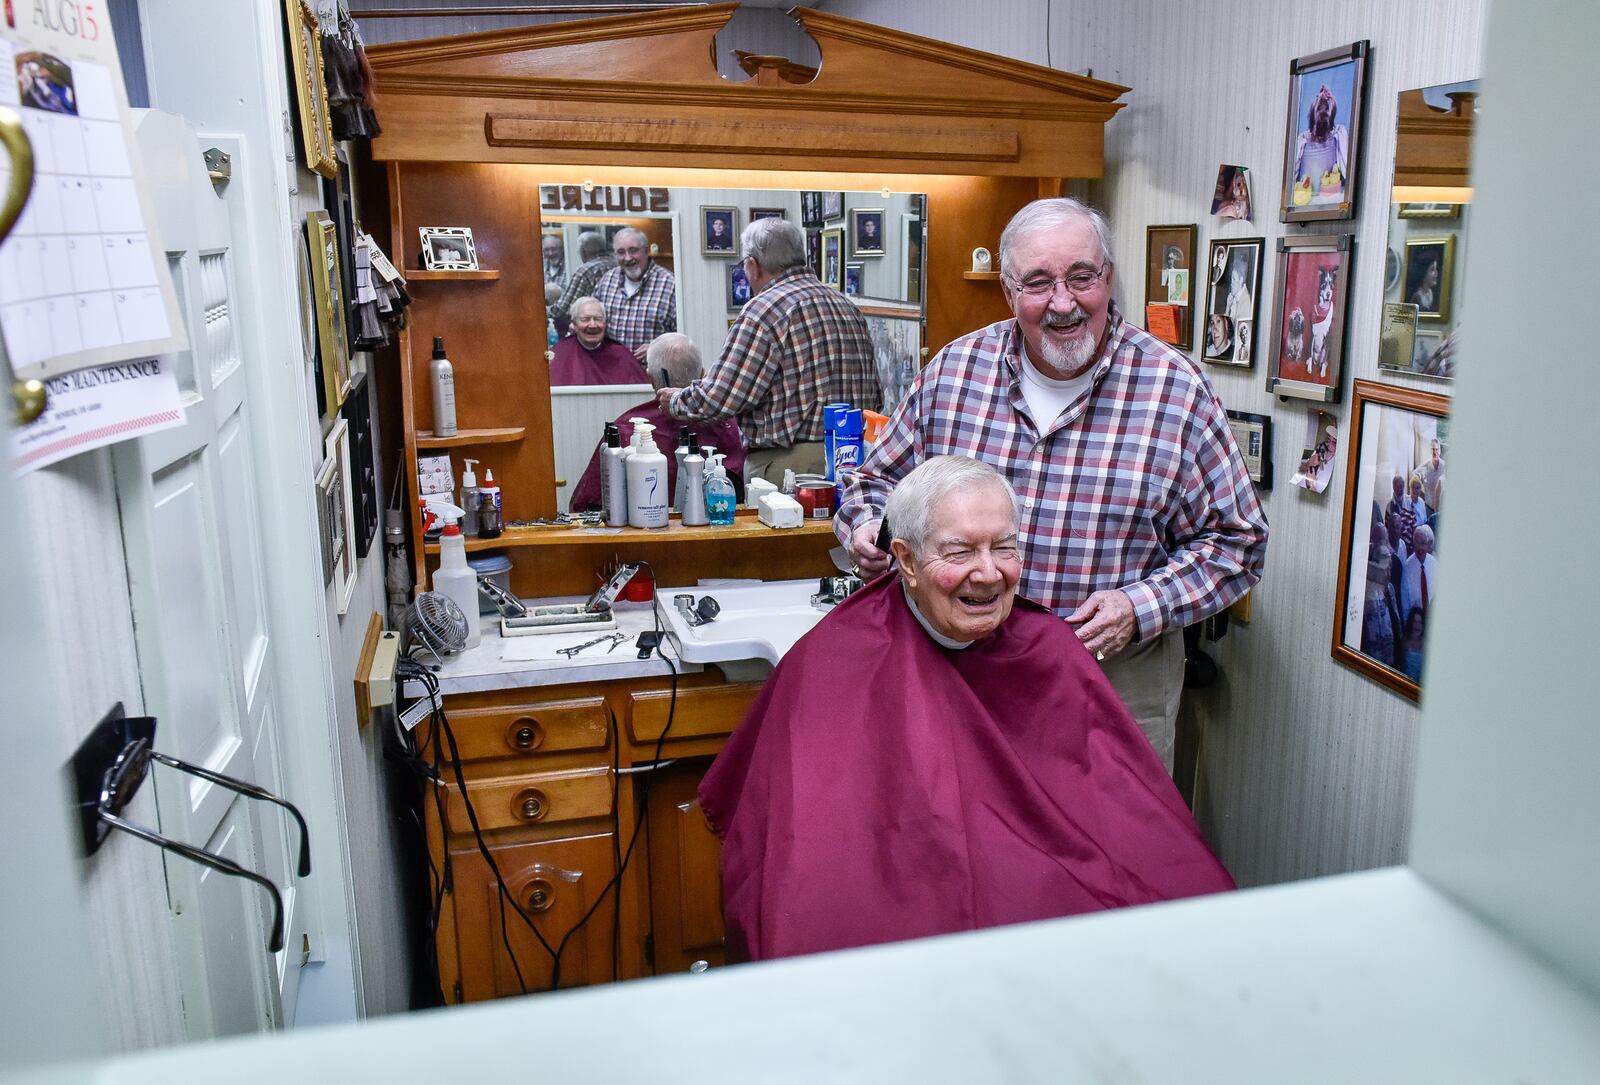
(803,458)
(1148,676)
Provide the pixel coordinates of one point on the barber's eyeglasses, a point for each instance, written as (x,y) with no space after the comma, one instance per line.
(1078,282)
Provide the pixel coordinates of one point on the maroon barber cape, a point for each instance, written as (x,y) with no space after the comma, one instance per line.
(883,787)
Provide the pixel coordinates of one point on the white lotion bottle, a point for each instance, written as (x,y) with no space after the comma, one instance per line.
(456,579)
(469,497)
(442,378)
(647,478)
(692,478)
(614,478)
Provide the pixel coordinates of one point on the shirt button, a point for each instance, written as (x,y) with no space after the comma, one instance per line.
(1028,504)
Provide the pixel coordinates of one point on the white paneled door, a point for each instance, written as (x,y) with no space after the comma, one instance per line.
(191,524)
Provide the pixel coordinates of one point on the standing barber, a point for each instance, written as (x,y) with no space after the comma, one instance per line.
(797,345)
(1138,515)
(640,296)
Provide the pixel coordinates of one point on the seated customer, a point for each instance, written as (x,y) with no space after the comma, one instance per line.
(589,356)
(674,361)
(938,755)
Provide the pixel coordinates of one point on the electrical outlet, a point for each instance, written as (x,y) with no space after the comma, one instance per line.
(380,678)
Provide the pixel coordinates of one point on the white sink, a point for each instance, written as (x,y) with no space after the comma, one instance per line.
(758,623)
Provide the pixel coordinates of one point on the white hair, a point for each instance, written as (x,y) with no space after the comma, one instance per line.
(629,231)
(675,355)
(590,245)
(1046,214)
(775,244)
(910,508)
(587,300)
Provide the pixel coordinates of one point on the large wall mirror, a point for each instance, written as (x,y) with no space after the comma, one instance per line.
(1424,286)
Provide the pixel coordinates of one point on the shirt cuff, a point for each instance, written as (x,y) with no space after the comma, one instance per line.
(1147,612)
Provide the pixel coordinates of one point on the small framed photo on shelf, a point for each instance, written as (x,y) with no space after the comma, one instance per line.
(1169,263)
(1429,267)
(448,248)
(833,258)
(738,286)
(1253,434)
(1233,299)
(767,213)
(852,280)
(1322,151)
(1308,340)
(832,206)
(866,231)
(719,230)
(1388,569)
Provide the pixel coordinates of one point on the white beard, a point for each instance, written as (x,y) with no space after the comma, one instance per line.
(1070,357)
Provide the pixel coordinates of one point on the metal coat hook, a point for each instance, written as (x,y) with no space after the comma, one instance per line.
(109,767)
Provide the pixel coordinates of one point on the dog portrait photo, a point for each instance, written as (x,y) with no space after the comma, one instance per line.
(1320,155)
(1313,282)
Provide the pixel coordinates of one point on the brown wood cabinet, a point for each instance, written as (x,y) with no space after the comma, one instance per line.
(547,774)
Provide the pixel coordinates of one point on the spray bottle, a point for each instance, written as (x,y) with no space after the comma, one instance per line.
(693,477)
(719,493)
(647,478)
(614,478)
(441,375)
(454,578)
(469,498)
(847,442)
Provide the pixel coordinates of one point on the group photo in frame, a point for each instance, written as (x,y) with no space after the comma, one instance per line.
(832,206)
(866,231)
(719,230)
(1169,253)
(322,242)
(1429,269)
(1322,145)
(1233,299)
(448,248)
(1313,286)
(1389,543)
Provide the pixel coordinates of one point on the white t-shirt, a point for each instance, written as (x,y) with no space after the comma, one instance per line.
(1047,397)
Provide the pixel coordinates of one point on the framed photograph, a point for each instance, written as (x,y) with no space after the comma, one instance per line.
(833,258)
(1397,336)
(1253,434)
(832,206)
(738,286)
(811,210)
(866,231)
(911,248)
(896,348)
(1308,337)
(719,230)
(852,279)
(336,195)
(814,252)
(322,239)
(448,248)
(1391,271)
(767,213)
(1169,263)
(1233,298)
(1429,267)
(327,518)
(341,514)
(1388,548)
(311,89)
(1428,210)
(1425,353)
(1322,148)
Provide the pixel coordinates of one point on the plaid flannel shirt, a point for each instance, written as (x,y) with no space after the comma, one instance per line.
(635,321)
(581,285)
(1137,485)
(796,345)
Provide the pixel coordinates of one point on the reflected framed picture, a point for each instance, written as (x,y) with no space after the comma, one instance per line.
(1429,268)
(811,210)
(1233,298)
(448,248)
(322,239)
(814,252)
(1322,148)
(1308,336)
(738,286)
(341,514)
(1391,537)
(767,213)
(1169,262)
(833,258)
(832,206)
(852,279)
(719,230)
(866,231)
(1253,434)
(1397,336)
(1428,210)
(911,249)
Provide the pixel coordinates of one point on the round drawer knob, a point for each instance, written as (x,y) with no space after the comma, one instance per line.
(531,805)
(541,895)
(526,734)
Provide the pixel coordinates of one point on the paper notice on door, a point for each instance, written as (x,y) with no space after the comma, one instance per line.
(92,408)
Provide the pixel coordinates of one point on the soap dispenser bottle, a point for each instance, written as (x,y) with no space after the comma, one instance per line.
(455,579)
(685,446)
(647,478)
(469,498)
(442,378)
(692,475)
(719,493)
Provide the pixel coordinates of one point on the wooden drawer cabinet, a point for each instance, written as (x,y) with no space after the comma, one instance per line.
(539,727)
(536,799)
(699,712)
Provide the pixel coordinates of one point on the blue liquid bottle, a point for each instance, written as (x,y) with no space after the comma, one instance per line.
(719,493)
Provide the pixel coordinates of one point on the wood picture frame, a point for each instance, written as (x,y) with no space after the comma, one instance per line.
(719,230)
(1168,250)
(1228,326)
(1253,434)
(322,238)
(1429,269)
(1382,598)
(342,518)
(1323,136)
(867,229)
(311,89)
(758,213)
(1428,210)
(448,248)
(1313,289)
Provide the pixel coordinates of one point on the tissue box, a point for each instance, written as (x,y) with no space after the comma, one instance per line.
(780,510)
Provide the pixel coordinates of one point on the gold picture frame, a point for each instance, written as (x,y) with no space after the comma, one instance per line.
(326,289)
(311,89)
(1428,272)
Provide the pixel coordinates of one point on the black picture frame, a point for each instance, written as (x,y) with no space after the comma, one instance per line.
(1323,135)
(811,210)
(1232,305)
(1253,434)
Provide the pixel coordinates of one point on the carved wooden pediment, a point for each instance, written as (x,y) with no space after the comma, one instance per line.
(644,89)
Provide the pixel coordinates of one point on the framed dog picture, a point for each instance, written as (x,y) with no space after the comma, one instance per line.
(1322,148)
(448,248)
(1388,563)
(1308,338)
(719,230)
(1169,263)
(1233,298)
(866,231)
(1430,265)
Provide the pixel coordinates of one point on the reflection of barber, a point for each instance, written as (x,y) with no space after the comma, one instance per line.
(640,295)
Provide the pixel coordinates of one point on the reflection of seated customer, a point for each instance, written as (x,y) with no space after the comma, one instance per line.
(589,356)
(674,361)
(982,772)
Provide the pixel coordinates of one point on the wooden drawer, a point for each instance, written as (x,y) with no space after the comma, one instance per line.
(535,799)
(701,711)
(524,730)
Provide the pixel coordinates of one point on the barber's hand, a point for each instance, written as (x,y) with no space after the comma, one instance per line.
(640,350)
(1105,623)
(664,397)
(870,561)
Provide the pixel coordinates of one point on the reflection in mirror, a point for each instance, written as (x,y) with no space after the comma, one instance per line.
(1423,283)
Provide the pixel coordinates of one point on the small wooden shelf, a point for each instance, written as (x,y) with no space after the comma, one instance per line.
(483,274)
(501,436)
(982,276)
(746,525)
